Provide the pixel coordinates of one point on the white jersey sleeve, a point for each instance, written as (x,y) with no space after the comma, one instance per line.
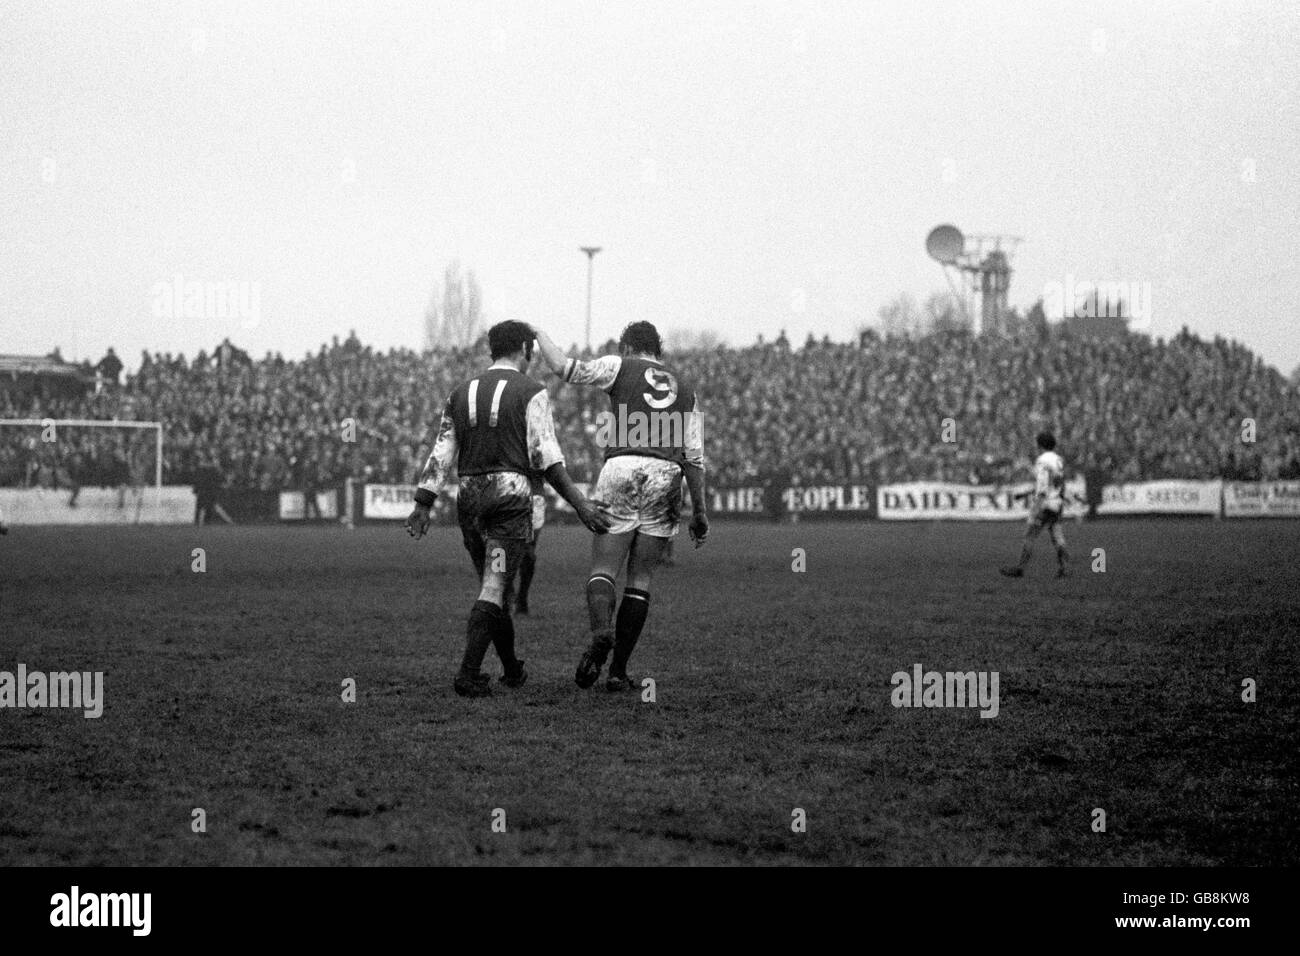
(695,435)
(443,456)
(543,446)
(598,373)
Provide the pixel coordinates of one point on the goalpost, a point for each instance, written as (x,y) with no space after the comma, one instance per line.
(56,423)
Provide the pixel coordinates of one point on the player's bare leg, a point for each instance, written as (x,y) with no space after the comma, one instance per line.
(608,552)
(644,556)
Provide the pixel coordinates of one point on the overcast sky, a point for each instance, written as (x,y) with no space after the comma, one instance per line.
(746,168)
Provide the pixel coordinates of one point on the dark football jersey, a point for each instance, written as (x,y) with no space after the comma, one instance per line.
(652,406)
(490,413)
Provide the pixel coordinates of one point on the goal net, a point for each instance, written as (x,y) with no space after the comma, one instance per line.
(106,466)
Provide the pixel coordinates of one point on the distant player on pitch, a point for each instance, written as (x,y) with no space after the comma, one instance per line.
(652,438)
(1046,502)
(498,430)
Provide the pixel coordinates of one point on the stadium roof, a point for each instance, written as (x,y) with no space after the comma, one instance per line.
(38,365)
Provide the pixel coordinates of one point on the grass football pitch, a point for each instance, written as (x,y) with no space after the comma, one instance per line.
(1119,690)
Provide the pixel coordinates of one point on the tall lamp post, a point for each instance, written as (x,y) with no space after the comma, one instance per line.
(591,258)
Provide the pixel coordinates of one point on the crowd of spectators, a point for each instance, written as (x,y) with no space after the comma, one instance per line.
(1125,407)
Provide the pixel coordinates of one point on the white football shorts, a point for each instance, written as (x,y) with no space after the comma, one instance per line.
(641,493)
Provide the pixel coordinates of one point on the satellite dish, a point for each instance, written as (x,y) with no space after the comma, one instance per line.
(945,243)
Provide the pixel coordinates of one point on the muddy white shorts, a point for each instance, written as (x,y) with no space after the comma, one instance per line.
(641,493)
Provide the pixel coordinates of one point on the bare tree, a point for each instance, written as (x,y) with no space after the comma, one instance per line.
(679,340)
(431,323)
(454,316)
(942,313)
(901,317)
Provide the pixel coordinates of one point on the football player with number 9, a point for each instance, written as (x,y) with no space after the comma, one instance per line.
(655,441)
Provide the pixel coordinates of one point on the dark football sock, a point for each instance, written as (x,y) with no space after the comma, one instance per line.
(600,605)
(503,638)
(478,636)
(631,619)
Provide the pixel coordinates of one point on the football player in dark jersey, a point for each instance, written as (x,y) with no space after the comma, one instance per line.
(498,431)
(652,438)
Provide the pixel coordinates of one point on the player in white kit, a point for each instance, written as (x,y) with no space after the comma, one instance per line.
(1047,501)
